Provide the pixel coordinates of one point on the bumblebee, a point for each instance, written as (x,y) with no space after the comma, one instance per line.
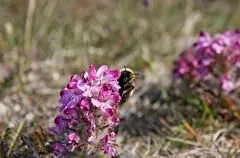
(126,82)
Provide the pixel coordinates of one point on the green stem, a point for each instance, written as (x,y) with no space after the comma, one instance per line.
(20,127)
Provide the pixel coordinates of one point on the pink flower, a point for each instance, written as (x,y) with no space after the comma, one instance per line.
(227,84)
(60,150)
(217,48)
(210,58)
(87,99)
(107,144)
(73,138)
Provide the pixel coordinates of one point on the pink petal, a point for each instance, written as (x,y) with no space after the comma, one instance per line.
(92,139)
(85,74)
(73,137)
(115,73)
(85,105)
(95,102)
(217,48)
(92,73)
(101,70)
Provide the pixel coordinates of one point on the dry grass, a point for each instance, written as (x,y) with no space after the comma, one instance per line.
(42,44)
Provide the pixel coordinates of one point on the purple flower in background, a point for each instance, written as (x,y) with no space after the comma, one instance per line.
(211,58)
(87,104)
(146,3)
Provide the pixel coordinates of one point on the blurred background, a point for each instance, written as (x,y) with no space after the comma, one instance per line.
(43,42)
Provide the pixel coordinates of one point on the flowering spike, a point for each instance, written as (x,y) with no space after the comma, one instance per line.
(212,58)
(87,104)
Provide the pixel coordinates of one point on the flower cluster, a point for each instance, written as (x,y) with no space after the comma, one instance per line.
(212,58)
(87,113)
(146,3)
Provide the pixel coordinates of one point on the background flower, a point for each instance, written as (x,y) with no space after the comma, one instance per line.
(211,58)
(209,71)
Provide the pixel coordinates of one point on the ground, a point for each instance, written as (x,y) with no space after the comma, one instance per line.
(43,42)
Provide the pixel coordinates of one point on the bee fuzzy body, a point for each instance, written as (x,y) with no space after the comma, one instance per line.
(126,82)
